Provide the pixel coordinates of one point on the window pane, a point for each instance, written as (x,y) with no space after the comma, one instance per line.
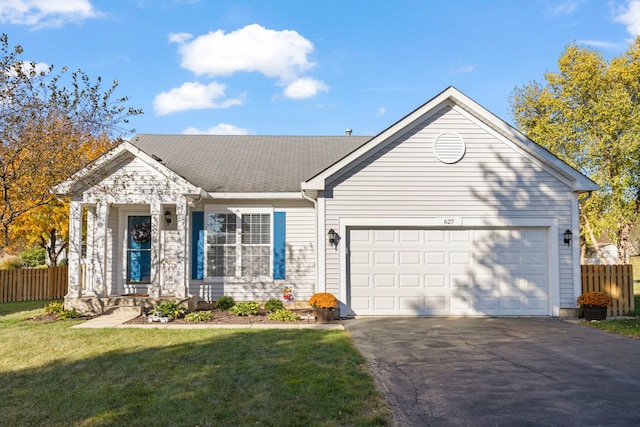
(221,229)
(256,239)
(255,261)
(221,245)
(221,261)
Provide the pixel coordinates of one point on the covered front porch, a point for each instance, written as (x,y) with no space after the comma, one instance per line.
(127,255)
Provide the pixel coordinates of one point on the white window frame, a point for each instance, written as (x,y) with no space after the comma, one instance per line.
(238,212)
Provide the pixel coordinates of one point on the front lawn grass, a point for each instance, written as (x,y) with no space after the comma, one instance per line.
(53,375)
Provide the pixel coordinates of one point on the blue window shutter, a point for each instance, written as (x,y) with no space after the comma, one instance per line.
(197,245)
(279,255)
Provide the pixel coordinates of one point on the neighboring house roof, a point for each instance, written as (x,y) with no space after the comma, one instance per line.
(453,97)
(247,164)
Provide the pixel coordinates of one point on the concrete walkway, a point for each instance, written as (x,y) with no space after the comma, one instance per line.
(120,317)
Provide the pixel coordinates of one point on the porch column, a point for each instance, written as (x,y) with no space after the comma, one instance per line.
(181,282)
(88,257)
(155,289)
(75,249)
(99,259)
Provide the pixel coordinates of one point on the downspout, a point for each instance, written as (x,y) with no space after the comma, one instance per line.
(315,219)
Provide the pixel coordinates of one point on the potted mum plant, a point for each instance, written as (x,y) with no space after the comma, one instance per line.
(594,305)
(323,304)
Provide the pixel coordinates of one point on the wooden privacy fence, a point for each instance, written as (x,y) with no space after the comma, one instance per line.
(615,281)
(29,284)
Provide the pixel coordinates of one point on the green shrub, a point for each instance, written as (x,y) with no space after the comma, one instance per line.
(198,316)
(224,303)
(69,314)
(245,308)
(283,315)
(34,257)
(10,262)
(273,305)
(170,309)
(54,308)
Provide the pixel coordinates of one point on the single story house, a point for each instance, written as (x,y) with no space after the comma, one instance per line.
(449,211)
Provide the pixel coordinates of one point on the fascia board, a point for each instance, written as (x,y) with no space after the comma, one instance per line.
(66,187)
(579,182)
(259,196)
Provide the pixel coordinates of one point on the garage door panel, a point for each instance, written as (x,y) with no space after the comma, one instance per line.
(384,258)
(435,281)
(410,281)
(442,272)
(410,258)
(384,281)
(385,303)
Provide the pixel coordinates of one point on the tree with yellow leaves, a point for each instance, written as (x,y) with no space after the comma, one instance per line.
(588,114)
(48,131)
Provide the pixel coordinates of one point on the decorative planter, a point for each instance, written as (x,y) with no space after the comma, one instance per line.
(323,315)
(594,312)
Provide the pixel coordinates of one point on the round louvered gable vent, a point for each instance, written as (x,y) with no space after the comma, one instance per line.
(449,147)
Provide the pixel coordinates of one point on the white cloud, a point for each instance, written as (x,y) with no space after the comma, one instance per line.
(305,87)
(28,67)
(179,37)
(45,13)
(219,129)
(600,44)
(630,17)
(382,111)
(277,54)
(465,69)
(193,95)
(566,7)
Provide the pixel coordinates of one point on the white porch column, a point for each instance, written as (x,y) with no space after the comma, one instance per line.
(155,287)
(99,259)
(180,277)
(75,249)
(88,258)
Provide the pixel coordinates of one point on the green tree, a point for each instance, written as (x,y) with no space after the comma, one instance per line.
(588,114)
(51,125)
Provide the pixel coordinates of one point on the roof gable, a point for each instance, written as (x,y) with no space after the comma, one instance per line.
(107,165)
(455,99)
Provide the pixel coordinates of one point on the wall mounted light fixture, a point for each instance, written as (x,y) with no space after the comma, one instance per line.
(167,217)
(567,237)
(334,238)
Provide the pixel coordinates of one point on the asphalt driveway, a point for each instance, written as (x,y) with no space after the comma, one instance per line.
(501,371)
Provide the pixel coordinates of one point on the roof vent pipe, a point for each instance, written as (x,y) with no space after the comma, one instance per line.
(348,132)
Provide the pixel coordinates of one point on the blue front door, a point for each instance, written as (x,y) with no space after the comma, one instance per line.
(139,249)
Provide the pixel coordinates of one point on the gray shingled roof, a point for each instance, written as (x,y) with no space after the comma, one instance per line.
(247,164)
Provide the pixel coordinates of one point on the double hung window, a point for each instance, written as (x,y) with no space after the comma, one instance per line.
(238,245)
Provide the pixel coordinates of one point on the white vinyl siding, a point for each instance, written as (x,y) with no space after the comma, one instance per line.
(493,182)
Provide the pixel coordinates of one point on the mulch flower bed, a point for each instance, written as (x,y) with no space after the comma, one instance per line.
(227,318)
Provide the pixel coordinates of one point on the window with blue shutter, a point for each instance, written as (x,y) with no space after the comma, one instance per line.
(279,240)
(197,245)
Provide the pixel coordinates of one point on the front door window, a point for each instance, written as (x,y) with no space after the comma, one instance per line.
(139,249)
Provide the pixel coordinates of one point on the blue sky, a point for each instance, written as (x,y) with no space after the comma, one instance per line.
(307,67)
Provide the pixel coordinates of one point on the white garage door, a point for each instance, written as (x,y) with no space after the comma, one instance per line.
(448,272)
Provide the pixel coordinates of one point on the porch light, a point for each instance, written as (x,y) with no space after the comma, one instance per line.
(167,217)
(334,238)
(567,237)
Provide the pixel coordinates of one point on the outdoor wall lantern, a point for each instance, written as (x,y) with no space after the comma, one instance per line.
(567,237)
(167,217)
(334,238)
